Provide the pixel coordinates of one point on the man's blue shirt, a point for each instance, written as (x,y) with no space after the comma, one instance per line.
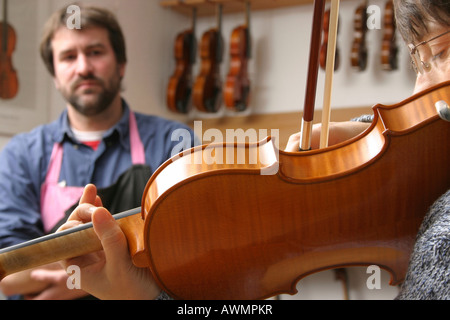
(25,159)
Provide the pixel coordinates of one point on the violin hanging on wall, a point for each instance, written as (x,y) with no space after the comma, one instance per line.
(359,49)
(207,96)
(324,47)
(179,89)
(9,84)
(388,46)
(237,85)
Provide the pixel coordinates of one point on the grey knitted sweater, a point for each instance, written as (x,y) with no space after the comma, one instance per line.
(428,275)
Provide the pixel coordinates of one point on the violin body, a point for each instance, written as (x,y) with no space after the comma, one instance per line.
(358,54)
(179,89)
(226,230)
(233,229)
(237,85)
(388,47)
(9,84)
(207,95)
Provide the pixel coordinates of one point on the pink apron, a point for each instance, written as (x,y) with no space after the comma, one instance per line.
(57,199)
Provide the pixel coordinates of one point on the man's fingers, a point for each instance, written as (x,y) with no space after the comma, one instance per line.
(81,214)
(49,276)
(111,236)
(89,194)
(69,224)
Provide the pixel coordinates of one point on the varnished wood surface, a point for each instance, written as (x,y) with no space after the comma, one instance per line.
(230,231)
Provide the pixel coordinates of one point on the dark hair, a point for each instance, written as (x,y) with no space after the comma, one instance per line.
(413,16)
(90,17)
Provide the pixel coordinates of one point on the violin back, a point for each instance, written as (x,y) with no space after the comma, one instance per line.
(358,55)
(207,92)
(226,231)
(179,89)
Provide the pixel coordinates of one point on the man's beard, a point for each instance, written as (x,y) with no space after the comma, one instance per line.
(93,103)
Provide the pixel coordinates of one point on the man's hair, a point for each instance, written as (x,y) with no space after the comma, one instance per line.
(413,16)
(90,17)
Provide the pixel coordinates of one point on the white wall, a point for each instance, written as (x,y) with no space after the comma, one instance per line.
(279,65)
(278,72)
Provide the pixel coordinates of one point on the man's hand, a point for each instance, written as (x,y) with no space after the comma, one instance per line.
(43,283)
(110,273)
(338,132)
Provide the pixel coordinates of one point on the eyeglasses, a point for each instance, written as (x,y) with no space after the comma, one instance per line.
(419,65)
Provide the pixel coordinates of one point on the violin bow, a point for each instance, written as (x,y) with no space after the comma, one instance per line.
(313,68)
(329,72)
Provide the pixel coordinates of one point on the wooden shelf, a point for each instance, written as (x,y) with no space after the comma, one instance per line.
(207,7)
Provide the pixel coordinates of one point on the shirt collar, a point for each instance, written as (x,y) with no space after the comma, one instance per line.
(121,127)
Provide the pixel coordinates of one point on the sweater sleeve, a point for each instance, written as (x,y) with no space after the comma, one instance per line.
(163,296)
(428,275)
(368,118)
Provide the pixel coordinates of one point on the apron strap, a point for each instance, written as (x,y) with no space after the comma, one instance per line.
(137,148)
(55,164)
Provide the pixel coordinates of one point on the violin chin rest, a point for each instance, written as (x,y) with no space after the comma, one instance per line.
(443,109)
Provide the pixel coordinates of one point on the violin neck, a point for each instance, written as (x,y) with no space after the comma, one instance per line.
(48,249)
(54,247)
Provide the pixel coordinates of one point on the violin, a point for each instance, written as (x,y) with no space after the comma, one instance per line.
(358,54)
(207,96)
(9,84)
(324,47)
(212,226)
(388,47)
(205,236)
(237,85)
(179,89)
